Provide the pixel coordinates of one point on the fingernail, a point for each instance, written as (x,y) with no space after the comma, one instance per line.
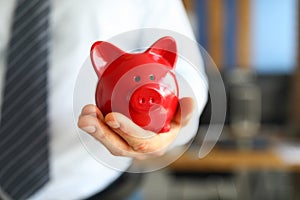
(89,129)
(113,124)
(93,114)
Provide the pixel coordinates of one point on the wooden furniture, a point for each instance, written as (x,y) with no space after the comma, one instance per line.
(220,160)
(274,149)
(241,164)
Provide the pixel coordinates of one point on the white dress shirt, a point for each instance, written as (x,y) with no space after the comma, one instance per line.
(76,24)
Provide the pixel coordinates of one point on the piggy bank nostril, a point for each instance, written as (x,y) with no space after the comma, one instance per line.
(142,100)
(145,97)
(149,100)
(152,100)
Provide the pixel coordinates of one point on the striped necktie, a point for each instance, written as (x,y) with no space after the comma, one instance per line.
(23,130)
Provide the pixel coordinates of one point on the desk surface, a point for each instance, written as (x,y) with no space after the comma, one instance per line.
(232,159)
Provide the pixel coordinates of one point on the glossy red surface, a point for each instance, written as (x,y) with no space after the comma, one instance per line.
(142,86)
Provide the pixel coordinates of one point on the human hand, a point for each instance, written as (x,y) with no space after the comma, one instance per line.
(122,137)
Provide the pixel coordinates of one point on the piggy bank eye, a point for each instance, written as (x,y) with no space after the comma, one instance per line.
(137,78)
(152,77)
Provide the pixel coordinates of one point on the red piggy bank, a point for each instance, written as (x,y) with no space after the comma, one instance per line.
(141,86)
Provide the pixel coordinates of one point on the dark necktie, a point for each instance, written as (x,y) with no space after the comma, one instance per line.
(23,130)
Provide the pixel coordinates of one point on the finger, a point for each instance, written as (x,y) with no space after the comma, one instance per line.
(118,121)
(140,140)
(99,130)
(112,141)
(133,134)
(93,110)
(184,111)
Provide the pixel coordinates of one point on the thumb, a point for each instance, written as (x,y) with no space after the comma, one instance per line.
(184,111)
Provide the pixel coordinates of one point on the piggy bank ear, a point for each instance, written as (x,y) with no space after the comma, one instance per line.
(166,48)
(102,54)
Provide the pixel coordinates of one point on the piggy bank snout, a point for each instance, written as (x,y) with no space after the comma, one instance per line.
(145,97)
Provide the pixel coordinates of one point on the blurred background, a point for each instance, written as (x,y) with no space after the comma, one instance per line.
(255,45)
